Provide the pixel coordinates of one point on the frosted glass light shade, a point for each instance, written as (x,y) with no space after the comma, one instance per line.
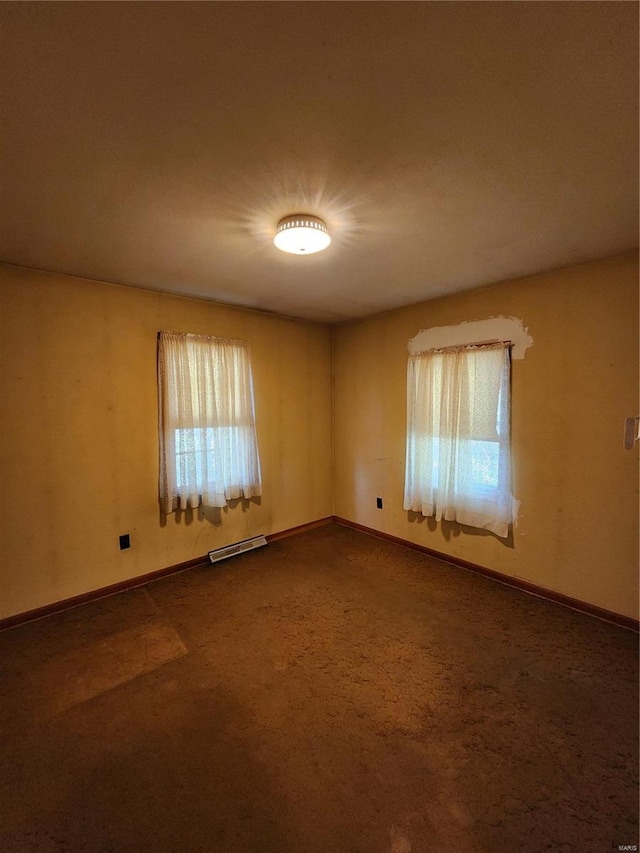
(302,234)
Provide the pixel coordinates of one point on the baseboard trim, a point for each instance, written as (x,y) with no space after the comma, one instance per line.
(301,528)
(96,594)
(140,580)
(525,586)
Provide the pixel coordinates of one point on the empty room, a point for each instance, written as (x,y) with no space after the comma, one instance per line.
(319,515)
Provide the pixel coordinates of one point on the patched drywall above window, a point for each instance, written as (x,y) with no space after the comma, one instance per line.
(475,332)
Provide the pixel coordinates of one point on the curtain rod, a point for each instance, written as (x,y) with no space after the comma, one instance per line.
(465,346)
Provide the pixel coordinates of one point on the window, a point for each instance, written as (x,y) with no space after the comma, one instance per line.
(208,446)
(458,463)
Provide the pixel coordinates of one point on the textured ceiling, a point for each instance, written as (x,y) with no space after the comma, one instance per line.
(447,145)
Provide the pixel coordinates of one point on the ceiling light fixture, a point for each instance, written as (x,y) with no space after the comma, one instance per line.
(302,234)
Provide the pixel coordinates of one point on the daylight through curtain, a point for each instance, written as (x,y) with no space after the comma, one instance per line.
(458,464)
(208,444)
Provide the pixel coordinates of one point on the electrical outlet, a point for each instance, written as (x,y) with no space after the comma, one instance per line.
(379,503)
(125,542)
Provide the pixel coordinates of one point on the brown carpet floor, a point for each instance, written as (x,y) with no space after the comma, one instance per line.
(330,692)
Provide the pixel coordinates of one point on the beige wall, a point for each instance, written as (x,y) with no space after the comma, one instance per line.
(79,433)
(78,454)
(578,528)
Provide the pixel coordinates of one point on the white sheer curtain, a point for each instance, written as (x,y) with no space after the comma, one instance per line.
(208,445)
(458,463)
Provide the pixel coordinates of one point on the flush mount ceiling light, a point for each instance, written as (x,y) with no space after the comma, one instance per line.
(302,234)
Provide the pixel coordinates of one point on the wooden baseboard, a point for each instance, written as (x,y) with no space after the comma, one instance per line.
(140,580)
(530,588)
(301,528)
(95,594)
(525,586)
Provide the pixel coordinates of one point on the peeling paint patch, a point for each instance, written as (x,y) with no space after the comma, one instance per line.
(474,332)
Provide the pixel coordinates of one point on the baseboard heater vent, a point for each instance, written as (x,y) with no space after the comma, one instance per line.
(237,548)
